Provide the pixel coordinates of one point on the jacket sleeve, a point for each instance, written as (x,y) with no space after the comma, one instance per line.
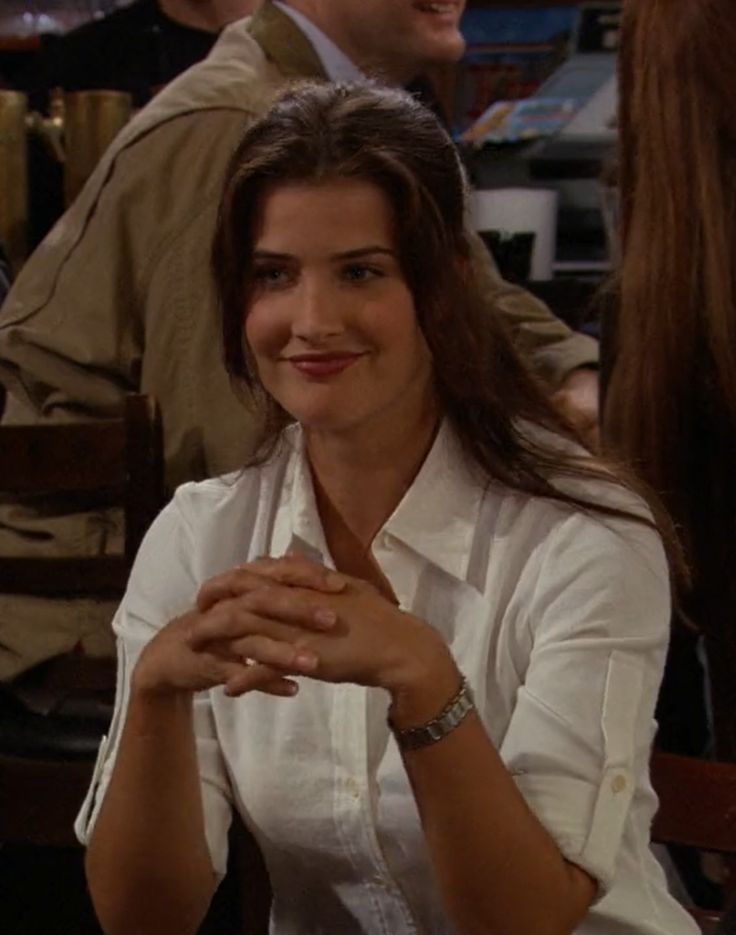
(70,328)
(553,349)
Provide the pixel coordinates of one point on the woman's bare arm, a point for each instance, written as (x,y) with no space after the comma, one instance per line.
(497,867)
(148,866)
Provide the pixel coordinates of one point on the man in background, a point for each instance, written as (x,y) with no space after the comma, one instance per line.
(118,298)
(138,48)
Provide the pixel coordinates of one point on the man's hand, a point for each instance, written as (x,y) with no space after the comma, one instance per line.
(578,400)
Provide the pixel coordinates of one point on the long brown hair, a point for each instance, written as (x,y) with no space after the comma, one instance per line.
(670,407)
(318,131)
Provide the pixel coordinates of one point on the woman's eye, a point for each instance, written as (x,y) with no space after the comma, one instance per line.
(358,272)
(271,276)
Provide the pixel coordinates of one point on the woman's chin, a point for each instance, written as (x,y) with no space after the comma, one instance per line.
(324,422)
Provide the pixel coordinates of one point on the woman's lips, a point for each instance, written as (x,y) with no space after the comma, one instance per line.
(323,366)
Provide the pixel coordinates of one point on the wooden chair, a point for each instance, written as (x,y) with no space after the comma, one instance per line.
(46,760)
(697,808)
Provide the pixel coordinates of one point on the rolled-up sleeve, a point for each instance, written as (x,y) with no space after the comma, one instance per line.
(161,587)
(579,739)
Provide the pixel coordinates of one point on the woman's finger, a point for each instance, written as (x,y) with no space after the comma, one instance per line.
(290,571)
(229,584)
(279,656)
(229,621)
(297,571)
(215,670)
(283,619)
(299,607)
(279,688)
(257,677)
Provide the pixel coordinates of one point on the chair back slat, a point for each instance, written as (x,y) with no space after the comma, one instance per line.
(697,802)
(144,493)
(697,808)
(62,458)
(64,577)
(115,458)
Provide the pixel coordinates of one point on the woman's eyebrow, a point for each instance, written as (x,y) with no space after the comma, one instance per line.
(363,251)
(357,253)
(270,255)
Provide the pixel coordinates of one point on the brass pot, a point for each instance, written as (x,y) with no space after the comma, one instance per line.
(92,119)
(13,175)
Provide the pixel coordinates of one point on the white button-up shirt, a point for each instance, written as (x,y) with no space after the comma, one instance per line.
(559,620)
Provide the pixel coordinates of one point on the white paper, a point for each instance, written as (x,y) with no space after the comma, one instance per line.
(521,211)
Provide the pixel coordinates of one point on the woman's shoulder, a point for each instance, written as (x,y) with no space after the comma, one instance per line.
(194,497)
(591,514)
(224,499)
(578,474)
(208,527)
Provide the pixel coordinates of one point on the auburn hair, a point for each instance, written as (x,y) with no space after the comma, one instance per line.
(317,132)
(670,406)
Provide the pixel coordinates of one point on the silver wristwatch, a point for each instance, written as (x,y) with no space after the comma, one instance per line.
(412,738)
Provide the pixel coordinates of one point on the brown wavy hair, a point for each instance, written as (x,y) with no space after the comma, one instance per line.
(316,132)
(670,406)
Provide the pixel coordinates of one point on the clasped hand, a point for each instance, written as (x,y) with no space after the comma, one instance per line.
(257,625)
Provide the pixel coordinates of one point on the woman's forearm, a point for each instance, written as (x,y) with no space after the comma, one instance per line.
(148,865)
(498,869)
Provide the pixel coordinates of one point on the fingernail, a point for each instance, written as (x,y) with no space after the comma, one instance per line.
(325,618)
(292,688)
(334,581)
(305,661)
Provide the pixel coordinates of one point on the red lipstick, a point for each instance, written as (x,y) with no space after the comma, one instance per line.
(323,365)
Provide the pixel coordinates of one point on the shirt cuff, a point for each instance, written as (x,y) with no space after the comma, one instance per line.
(587,818)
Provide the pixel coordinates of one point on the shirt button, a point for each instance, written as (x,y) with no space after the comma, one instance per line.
(353,787)
(618,784)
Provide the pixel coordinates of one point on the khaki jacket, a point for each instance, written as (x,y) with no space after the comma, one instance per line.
(118,298)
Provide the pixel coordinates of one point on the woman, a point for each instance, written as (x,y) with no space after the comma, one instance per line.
(444,537)
(671,401)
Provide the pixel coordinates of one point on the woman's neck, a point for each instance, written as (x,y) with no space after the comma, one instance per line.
(359,482)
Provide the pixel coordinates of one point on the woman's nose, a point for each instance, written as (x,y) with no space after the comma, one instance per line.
(317,313)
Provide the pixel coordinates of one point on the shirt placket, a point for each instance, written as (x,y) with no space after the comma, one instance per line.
(384,908)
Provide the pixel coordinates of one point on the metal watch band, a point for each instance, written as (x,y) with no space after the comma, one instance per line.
(412,738)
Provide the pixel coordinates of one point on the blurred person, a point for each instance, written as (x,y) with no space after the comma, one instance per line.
(444,705)
(670,405)
(119,298)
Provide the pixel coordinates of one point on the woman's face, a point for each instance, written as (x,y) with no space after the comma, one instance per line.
(330,320)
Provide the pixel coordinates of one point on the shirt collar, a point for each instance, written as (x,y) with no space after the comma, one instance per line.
(334,61)
(281,40)
(436,517)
